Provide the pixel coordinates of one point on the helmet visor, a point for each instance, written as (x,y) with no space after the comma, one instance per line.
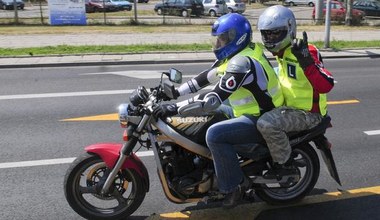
(221,40)
(273,36)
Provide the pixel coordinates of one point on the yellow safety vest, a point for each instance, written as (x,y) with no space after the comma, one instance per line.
(297,89)
(242,100)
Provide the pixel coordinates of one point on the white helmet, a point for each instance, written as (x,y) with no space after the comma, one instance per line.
(277,25)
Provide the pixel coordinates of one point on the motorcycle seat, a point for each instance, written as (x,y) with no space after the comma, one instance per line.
(311,133)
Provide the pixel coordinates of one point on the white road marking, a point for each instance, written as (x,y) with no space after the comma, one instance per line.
(64,94)
(374,132)
(139,74)
(70,94)
(33,163)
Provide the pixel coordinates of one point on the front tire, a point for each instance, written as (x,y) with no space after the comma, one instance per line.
(212,13)
(307,162)
(82,184)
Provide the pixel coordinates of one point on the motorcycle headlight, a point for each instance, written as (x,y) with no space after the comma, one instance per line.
(123,114)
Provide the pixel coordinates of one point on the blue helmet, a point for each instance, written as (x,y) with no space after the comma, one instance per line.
(233,33)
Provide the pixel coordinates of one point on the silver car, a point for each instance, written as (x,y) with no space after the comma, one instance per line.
(235,6)
(310,3)
(215,7)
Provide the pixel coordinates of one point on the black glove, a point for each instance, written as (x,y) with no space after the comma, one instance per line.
(301,51)
(165,110)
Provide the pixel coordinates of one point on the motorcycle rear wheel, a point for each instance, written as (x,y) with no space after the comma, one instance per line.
(306,155)
(81,187)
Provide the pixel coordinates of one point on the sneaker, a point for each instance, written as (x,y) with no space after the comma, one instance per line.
(232,199)
(280,170)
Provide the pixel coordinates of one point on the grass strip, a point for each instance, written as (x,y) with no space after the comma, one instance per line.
(149,48)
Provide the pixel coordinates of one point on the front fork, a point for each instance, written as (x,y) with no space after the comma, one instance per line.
(125,151)
(122,158)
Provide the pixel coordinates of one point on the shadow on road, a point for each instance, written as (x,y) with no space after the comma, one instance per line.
(354,204)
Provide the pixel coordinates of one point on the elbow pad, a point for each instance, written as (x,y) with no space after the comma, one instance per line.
(201,107)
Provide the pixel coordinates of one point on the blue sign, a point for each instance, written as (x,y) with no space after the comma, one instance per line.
(67,12)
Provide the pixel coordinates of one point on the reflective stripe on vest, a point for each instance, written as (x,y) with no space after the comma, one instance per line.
(296,88)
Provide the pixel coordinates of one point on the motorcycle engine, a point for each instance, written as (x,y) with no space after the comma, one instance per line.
(183,169)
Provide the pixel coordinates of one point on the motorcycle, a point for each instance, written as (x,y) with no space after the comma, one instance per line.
(109,181)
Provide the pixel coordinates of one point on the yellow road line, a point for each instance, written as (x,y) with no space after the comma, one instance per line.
(106,117)
(114,116)
(353,101)
(252,210)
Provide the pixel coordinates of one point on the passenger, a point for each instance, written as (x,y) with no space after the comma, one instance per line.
(304,83)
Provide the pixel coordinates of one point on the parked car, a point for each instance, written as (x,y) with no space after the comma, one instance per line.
(139,1)
(215,7)
(8,4)
(235,6)
(338,12)
(122,4)
(370,7)
(182,8)
(310,3)
(100,6)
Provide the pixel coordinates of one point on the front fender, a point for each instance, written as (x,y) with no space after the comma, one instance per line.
(109,153)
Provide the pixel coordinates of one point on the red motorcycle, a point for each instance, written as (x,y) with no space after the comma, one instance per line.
(108,181)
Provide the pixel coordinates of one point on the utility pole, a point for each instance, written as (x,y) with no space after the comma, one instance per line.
(327,24)
(135,10)
(348,20)
(16,12)
(318,11)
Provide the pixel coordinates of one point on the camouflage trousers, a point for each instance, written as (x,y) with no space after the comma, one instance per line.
(274,125)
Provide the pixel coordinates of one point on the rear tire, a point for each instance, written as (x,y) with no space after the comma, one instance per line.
(302,154)
(184,13)
(159,11)
(83,181)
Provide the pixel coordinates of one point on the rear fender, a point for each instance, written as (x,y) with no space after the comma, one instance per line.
(109,153)
(325,149)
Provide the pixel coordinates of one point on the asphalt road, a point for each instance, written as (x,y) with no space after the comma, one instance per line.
(34,101)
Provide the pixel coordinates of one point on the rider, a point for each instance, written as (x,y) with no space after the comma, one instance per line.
(251,86)
(304,83)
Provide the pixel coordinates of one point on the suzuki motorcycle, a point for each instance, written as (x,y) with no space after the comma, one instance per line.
(108,181)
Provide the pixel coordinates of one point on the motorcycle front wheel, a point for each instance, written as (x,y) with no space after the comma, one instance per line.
(84,180)
(307,162)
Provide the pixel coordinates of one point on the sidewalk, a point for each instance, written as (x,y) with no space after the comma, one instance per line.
(18,41)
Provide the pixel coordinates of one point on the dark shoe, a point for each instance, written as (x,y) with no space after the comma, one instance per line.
(280,170)
(232,199)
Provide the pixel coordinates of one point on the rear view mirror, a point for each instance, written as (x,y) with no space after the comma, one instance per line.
(175,75)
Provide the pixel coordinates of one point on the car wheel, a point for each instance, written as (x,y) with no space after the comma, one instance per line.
(291,4)
(212,13)
(159,11)
(230,10)
(311,4)
(184,13)
(4,7)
